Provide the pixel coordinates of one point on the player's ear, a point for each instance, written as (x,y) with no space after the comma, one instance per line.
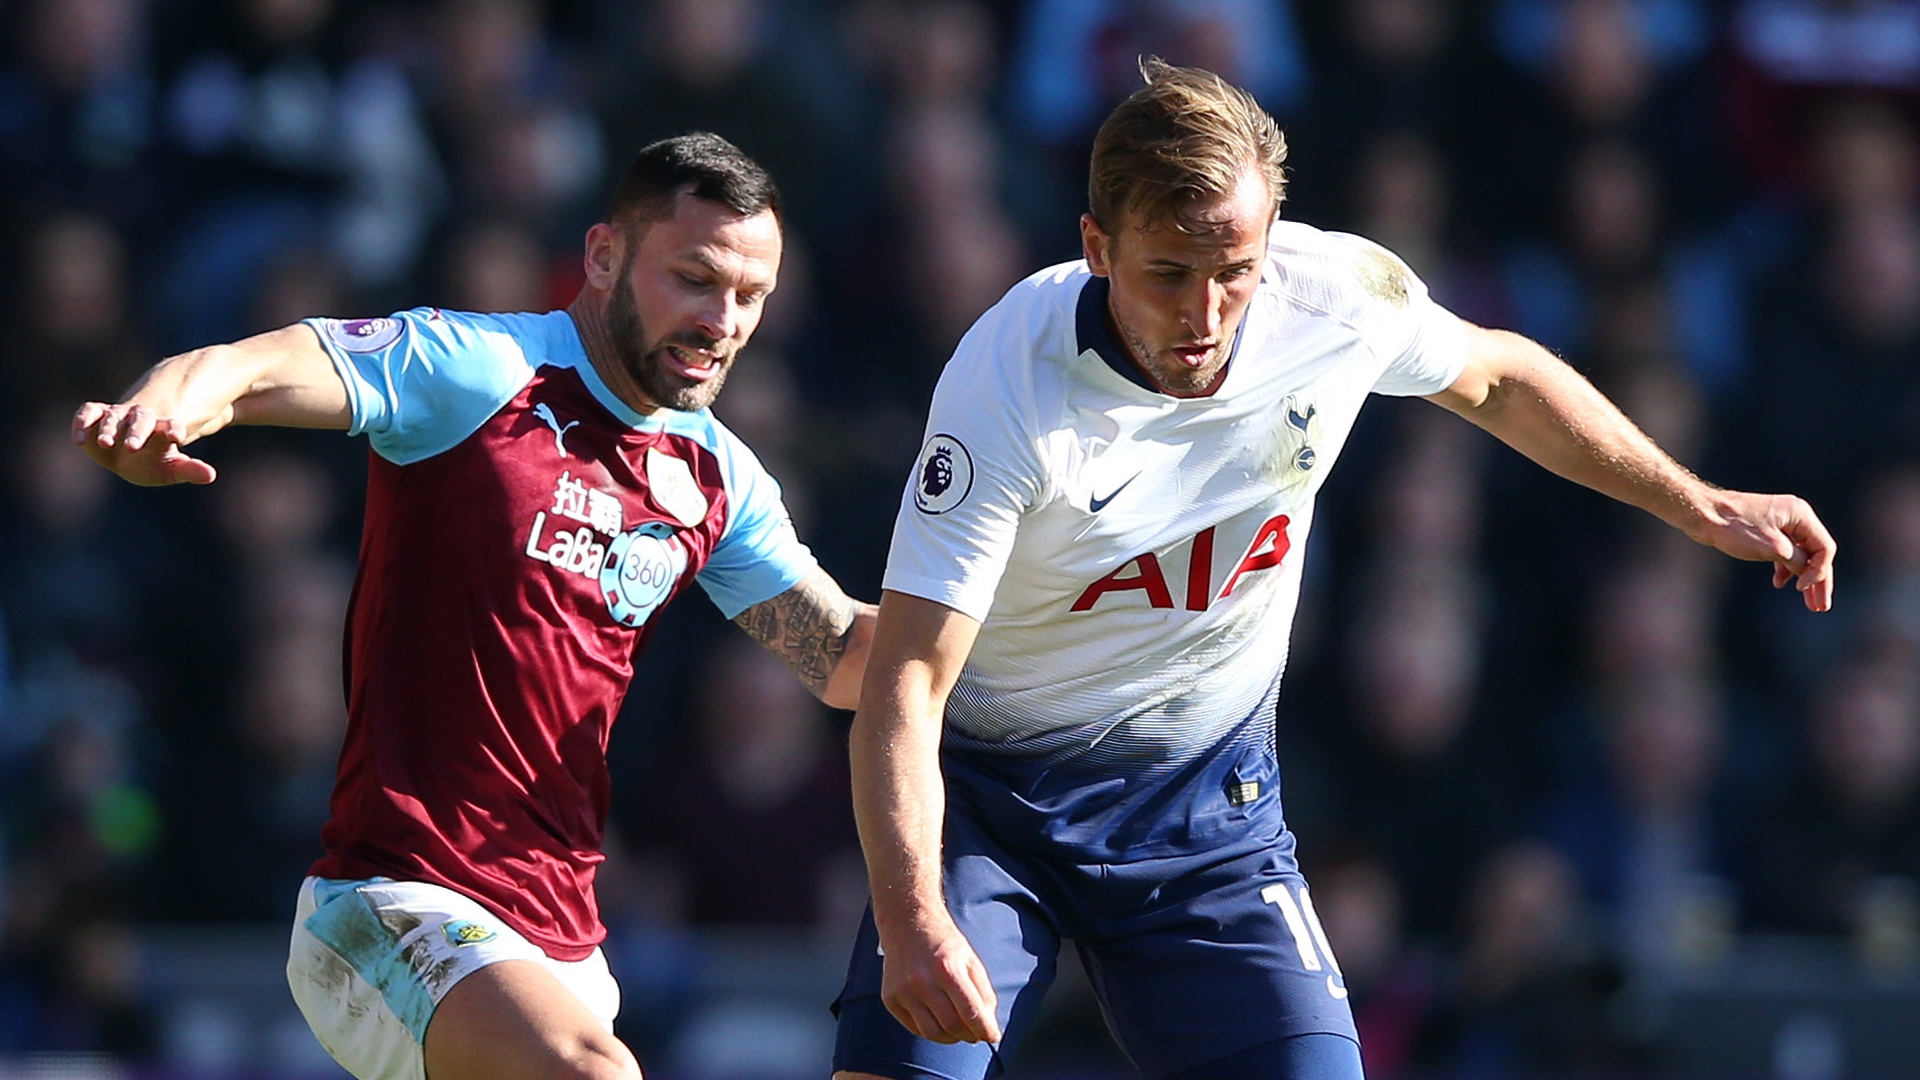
(603,256)
(1097,245)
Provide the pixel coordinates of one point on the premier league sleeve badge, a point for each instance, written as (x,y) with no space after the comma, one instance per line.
(943,476)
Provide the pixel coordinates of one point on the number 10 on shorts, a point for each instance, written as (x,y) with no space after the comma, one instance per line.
(1308,936)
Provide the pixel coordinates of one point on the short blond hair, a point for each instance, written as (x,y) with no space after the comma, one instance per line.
(1186,136)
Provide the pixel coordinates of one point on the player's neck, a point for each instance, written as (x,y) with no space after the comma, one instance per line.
(590,321)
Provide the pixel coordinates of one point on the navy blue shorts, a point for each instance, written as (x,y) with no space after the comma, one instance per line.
(1196,959)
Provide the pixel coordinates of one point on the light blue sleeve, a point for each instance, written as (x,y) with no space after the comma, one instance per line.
(421,381)
(759,556)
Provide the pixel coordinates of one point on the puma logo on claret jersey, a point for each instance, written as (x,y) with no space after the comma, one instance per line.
(559,433)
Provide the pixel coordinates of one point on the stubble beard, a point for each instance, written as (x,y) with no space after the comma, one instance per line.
(1166,370)
(648,365)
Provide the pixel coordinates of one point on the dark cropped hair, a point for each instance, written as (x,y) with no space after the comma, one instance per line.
(704,164)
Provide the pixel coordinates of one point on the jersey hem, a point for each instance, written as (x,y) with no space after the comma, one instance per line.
(342,868)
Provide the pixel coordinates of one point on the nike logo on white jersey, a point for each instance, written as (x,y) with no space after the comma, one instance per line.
(559,433)
(1096,504)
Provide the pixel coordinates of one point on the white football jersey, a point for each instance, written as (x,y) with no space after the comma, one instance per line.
(1134,558)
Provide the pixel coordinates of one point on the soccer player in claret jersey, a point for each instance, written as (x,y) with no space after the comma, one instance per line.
(539,486)
(1087,605)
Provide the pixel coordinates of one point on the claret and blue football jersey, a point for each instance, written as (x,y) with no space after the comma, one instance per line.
(1134,558)
(523,525)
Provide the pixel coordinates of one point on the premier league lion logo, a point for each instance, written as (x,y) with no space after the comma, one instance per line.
(944,476)
(937,476)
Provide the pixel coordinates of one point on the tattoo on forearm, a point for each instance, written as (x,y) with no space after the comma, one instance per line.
(806,627)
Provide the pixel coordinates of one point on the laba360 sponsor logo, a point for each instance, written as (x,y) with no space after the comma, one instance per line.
(641,569)
(634,571)
(578,550)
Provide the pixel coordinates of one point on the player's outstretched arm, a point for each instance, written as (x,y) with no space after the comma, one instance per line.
(283,377)
(1533,402)
(820,632)
(932,980)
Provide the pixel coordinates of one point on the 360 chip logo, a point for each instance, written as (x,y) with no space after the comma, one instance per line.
(943,476)
(641,568)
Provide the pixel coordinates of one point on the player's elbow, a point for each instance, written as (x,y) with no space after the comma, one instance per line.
(605,1060)
(1499,365)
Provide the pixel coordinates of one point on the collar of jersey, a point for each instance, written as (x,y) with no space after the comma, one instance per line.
(658,420)
(1091,332)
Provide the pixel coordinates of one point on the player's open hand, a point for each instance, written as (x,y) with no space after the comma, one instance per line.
(1780,529)
(137,444)
(935,985)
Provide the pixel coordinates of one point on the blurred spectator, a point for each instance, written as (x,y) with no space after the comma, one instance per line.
(273,510)
(1634,361)
(1625,70)
(946,247)
(1847,310)
(298,284)
(511,118)
(1402,199)
(1077,58)
(86,961)
(77,768)
(762,405)
(960,251)
(923,262)
(1890,578)
(1864,156)
(1386,72)
(760,796)
(1816,854)
(1428,776)
(1646,839)
(1416,659)
(80,341)
(1838,298)
(1427,782)
(77,109)
(1615,242)
(929,52)
(730,66)
(1402,195)
(63,576)
(1530,997)
(288,137)
(1793,59)
(1393,989)
(1072,60)
(496,265)
(1655,613)
(81,823)
(1428,505)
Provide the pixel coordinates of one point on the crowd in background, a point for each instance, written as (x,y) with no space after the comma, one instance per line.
(1543,754)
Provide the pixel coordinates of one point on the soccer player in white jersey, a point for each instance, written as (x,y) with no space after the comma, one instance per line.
(1066,729)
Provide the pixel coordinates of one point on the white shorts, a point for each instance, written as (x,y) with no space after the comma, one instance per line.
(371,960)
